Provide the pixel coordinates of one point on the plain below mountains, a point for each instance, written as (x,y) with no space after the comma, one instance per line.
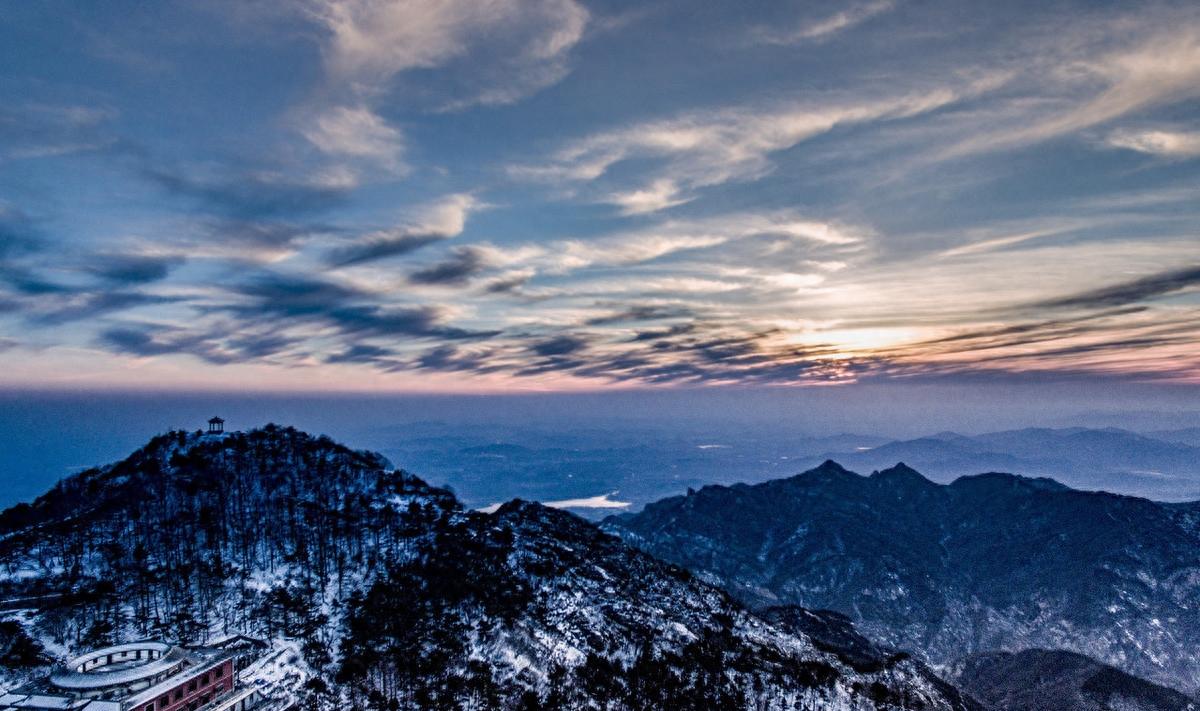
(988,562)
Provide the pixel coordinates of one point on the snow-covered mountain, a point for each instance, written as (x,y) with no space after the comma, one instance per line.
(379,591)
(1054,680)
(989,562)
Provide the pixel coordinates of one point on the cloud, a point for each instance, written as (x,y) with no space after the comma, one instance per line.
(464,263)
(852,16)
(441,220)
(255,346)
(1130,292)
(255,195)
(141,342)
(1020,336)
(80,307)
(29,282)
(288,299)
(641,312)
(660,195)
(468,53)
(18,233)
(559,345)
(361,353)
(501,50)
(707,148)
(1008,240)
(452,359)
(678,329)
(1165,144)
(1135,340)
(39,130)
(1166,68)
(382,245)
(1160,69)
(132,268)
(357,132)
(681,356)
(672,237)
(398,321)
(267,234)
(294,295)
(510,282)
(148,341)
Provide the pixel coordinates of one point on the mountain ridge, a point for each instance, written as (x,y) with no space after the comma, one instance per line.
(1111,459)
(993,561)
(1055,680)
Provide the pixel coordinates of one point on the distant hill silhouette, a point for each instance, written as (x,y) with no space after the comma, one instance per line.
(1107,459)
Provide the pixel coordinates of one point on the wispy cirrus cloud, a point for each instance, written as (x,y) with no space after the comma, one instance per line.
(481,53)
(1162,143)
(45,130)
(709,148)
(1135,291)
(854,14)
(672,237)
(255,194)
(359,133)
(132,268)
(507,49)
(463,264)
(432,223)
(659,195)
(1096,86)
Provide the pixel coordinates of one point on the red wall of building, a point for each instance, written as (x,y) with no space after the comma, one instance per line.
(220,681)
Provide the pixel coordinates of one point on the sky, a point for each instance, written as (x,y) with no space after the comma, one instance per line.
(558,195)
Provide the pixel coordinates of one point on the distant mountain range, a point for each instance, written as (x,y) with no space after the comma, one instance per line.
(989,562)
(1165,467)
(1188,435)
(489,465)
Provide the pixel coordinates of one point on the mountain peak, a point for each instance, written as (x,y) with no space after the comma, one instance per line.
(826,469)
(946,569)
(900,472)
(1005,480)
